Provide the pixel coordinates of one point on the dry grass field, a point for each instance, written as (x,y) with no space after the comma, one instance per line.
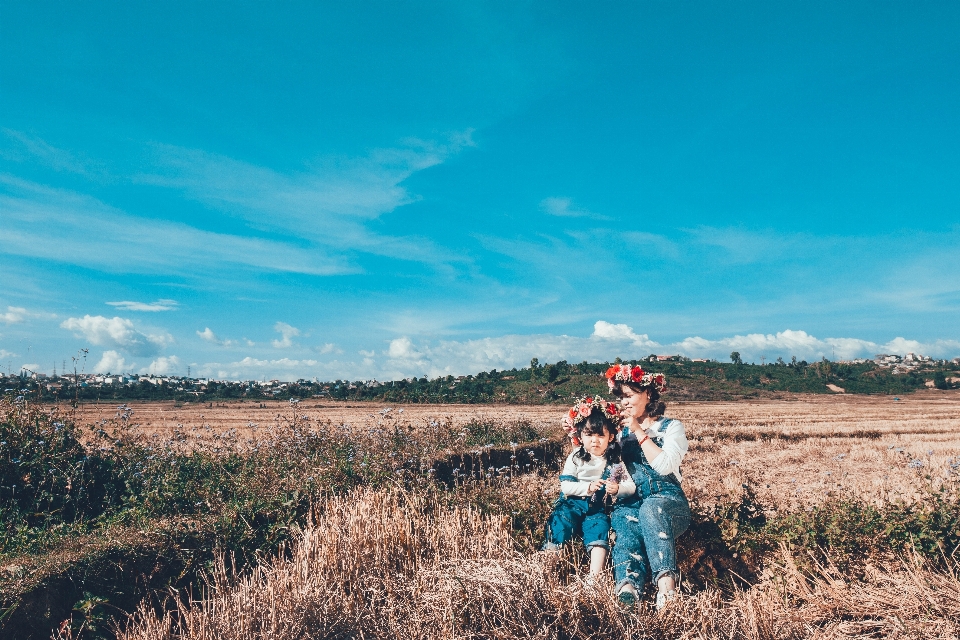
(382,562)
(796,451)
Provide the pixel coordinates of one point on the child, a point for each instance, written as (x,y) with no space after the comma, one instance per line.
(591,472)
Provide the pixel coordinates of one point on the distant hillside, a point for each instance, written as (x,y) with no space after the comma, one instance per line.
(687,380)
(537,384)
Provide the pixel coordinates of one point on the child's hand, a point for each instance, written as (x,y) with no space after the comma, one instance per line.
(595,486)
(613,487)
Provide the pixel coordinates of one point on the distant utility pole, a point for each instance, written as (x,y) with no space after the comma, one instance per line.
(762,360)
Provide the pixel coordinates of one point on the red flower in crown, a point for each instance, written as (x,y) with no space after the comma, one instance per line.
(582,410)
(636,375)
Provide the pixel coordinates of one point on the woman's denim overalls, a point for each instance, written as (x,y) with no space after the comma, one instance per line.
(647,524)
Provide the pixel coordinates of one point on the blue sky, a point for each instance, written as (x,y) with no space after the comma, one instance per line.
(345,190)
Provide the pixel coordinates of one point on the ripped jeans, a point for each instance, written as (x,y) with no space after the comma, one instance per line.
(647,527)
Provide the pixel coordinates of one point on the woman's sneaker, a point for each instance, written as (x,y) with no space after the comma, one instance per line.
(628,596)
(664,598)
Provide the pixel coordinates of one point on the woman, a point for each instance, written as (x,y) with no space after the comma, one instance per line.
(648,523)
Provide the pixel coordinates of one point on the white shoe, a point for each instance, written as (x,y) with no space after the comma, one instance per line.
(664,598)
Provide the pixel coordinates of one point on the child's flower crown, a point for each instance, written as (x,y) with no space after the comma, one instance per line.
(582,410)
(636,375)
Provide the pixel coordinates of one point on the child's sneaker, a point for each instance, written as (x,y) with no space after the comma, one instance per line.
(628,596)
(664,598)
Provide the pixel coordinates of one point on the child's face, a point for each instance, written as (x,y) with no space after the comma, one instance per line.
(596,443)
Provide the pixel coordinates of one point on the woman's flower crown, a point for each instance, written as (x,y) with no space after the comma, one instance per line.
(636,375)
(582,410)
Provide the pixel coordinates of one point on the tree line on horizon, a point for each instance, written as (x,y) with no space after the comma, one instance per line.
(559,382)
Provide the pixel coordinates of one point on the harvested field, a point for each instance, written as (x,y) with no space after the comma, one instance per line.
(797,451)
(809,512)
(162,418)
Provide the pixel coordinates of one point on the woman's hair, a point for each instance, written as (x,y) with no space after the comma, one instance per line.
(655,406)
(598,423)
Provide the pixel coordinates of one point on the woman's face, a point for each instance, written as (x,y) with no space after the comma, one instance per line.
(634,402)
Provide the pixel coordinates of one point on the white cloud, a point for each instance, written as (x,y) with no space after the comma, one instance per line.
(608,341)
(30,368)
(288,332)
(250,368)
(754,346)
(64,226)
(450,357)
(327,204)
(36,148)
(163,365)
(402,348)
(937,348)
(606,331)
(741,246)
(208,335)
(404,357)
(7,354)
(562,207)
(329,348)
(157,305)
(112,362)
(15,315)
(118,333)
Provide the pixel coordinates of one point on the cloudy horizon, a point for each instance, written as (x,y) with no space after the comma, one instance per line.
(116,345)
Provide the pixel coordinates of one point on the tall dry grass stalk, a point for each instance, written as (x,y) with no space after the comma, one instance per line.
(378,564)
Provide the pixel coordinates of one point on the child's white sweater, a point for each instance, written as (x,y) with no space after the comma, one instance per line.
(576,476)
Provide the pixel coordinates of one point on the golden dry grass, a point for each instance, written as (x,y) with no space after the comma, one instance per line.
(795,452)
(387,564)
(247,418)
(390,565)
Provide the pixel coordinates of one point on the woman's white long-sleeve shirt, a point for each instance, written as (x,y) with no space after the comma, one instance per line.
(671,437)
(576,476)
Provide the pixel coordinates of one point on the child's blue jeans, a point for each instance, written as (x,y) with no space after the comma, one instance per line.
(647,527)
(576,516)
